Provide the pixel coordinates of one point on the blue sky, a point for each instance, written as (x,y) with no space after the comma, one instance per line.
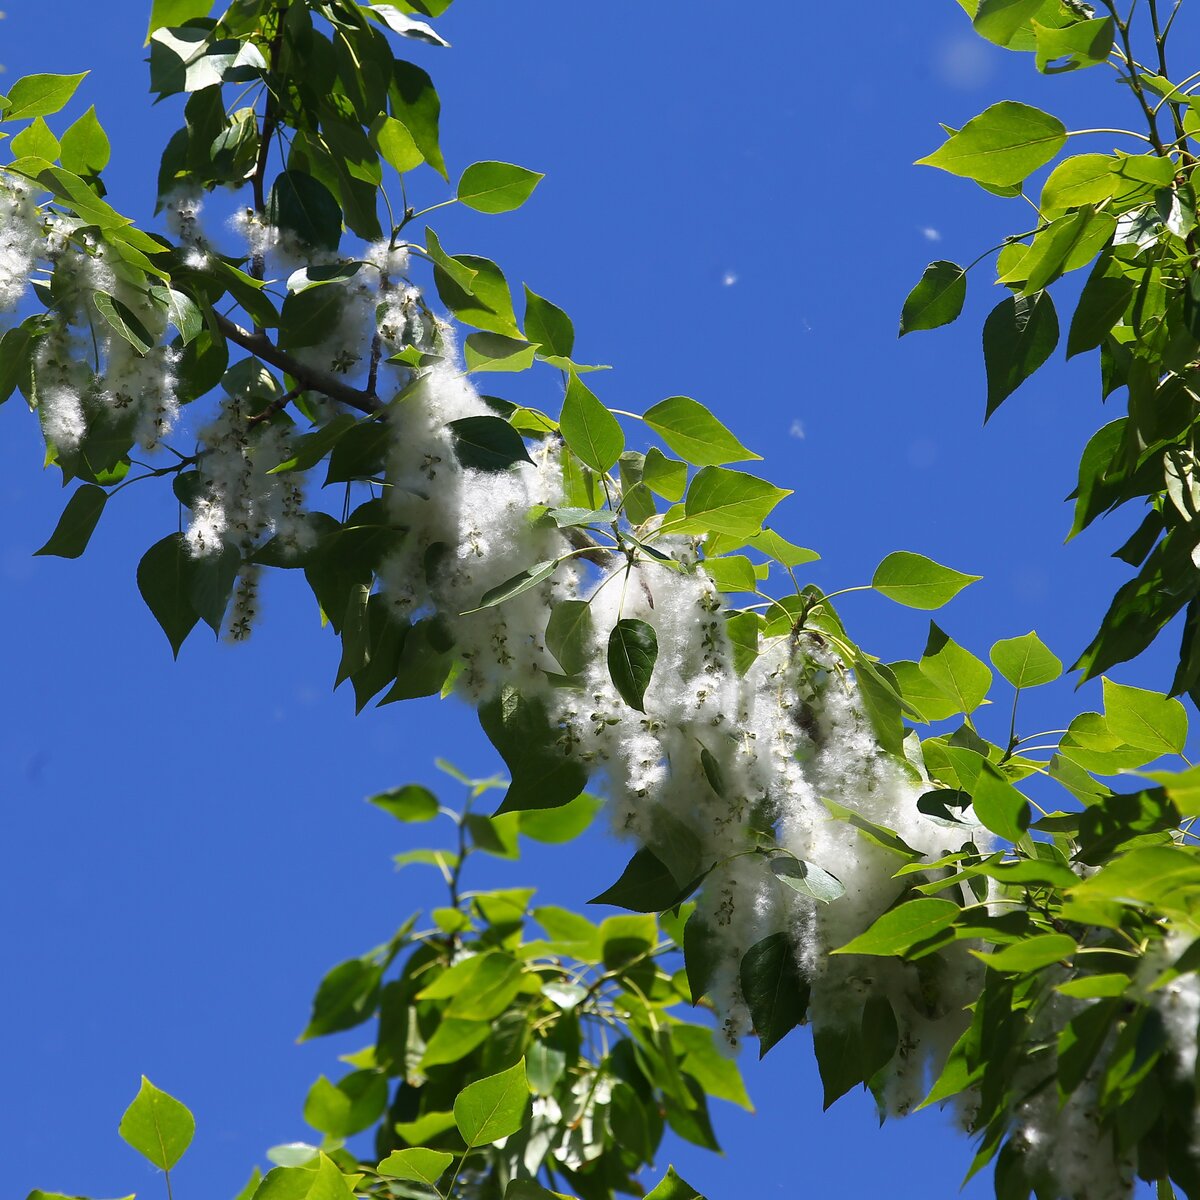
(730,212)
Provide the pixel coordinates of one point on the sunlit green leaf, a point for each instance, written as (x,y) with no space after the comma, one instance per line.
(157,1126)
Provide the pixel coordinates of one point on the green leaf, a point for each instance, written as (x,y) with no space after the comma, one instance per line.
(548,325)
(646,886)
(999,805)
(1144,718)
(563,824)
(522,581)
(807,878)
(347,1107)
(1102,303)
(415,102)
(78,521)
(306,208)
(176,12)
(157,1126)
(182,312)
(664,476)
(454,1038)
(346,997)
(417,1164)
(36,140)
(487,443)
(492,1108)
(409,803)
(496,187)
(85,147)
(591,431)
(1001,20)
(488,304)
(542,774)
(307,318)
(569,634)
(956,671)
(1025,661)
(901,929)
(40,95)
(123,321)
(937,299)
(1076,181)
(1002,145)
(729,502)
(1031,954)
(395,144)
(632,653)
(695,434)
(672,1188)
(211,584)
(774,990)
(458,272)
(1084,44)
(164,580)
(495,352)
(1019,335)
(917,581)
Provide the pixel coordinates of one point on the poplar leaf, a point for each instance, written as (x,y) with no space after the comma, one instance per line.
(918,582)
(496,187)
(1025,661)
(492,1108)
(157,1126)
(591,431)
(632,652)
(937,299)
(775,992)
(1019,335)
(78,521)
(901,929)
(695,434)
(1001,146)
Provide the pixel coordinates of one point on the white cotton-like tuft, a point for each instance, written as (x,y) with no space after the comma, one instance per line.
(22,241)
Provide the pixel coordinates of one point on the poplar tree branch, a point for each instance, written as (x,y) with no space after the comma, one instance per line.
(313,380)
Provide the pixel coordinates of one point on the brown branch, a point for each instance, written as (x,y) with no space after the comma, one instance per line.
(313,380)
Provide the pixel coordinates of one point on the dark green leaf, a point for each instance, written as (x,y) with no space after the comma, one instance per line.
(542,774)
(646,885)
(75,526)
(1019,335)
(346,997)
(775,991)
(487,443)
(632,653)
(937,299)
(164,580)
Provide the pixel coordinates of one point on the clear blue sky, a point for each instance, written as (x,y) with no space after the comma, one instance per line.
(730,213)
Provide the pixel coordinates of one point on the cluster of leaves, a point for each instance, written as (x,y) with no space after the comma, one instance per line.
(504,1066)
(1131,216)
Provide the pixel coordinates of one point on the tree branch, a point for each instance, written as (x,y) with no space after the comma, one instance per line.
(314,380)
